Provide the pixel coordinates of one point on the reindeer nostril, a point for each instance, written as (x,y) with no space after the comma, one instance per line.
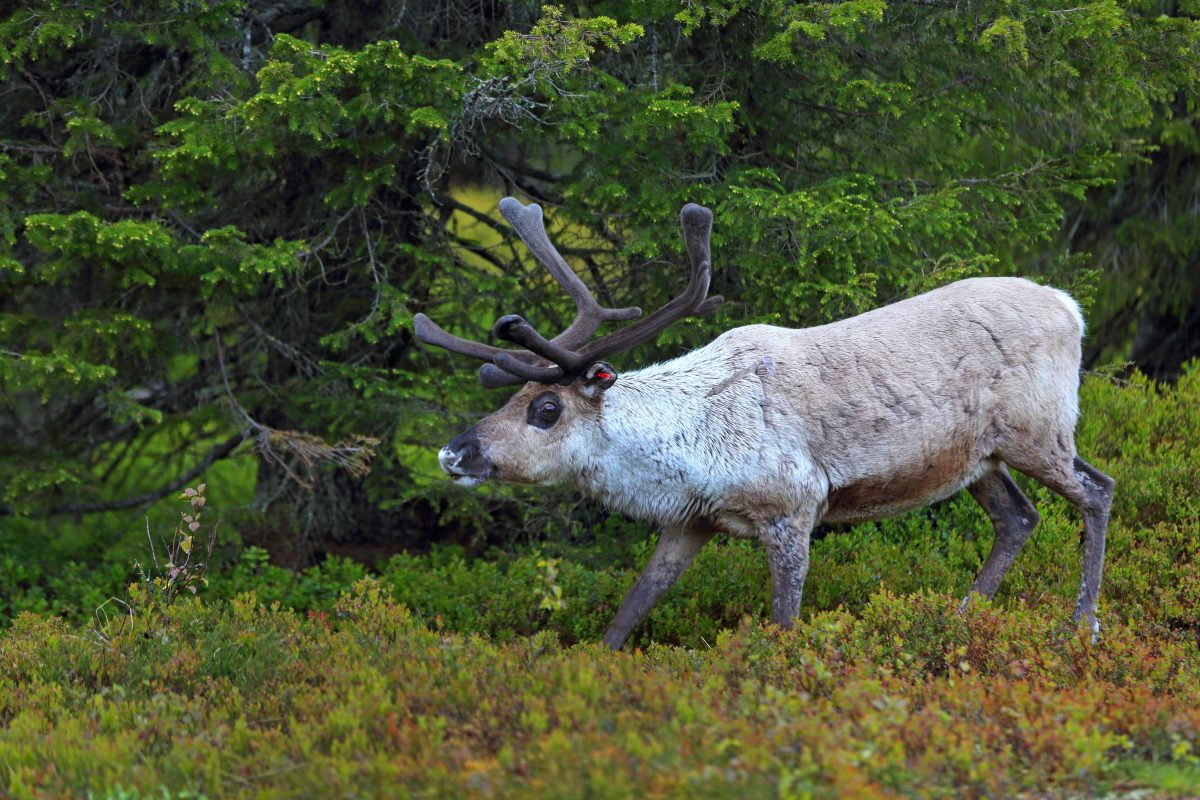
(463,455)
(451,460)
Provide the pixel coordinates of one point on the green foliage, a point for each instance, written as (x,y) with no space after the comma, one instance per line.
(1144,435)
(220,218)
(556,45)
(453,676)
(216,222)
(244,698)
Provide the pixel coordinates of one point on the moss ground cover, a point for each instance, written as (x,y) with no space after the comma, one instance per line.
(439,675)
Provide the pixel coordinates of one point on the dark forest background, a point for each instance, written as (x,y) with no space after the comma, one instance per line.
(218,218)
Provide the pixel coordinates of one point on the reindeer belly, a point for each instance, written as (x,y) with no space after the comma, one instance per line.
(905,487)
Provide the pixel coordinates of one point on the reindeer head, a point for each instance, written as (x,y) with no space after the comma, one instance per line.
(547,429)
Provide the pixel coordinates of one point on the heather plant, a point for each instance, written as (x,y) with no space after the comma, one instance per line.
(217,219)
(242,698)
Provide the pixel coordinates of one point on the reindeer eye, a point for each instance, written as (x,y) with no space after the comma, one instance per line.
(544,411)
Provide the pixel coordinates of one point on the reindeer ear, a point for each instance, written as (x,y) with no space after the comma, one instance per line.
(597,379)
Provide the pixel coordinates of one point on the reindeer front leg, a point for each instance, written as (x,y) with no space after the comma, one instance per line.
(677,546)
(786,541)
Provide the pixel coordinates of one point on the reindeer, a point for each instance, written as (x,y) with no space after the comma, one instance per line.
(767,431)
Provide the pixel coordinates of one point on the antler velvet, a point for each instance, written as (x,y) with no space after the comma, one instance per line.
(569,354)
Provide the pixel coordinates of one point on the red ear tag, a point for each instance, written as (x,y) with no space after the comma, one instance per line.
(603,375)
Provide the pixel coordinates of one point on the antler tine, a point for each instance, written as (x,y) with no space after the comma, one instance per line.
(509,368)
(696,222)
(493,377)
(430,332)
(490,375)
(513,328)
(569,353)
(527,221)
(507,362)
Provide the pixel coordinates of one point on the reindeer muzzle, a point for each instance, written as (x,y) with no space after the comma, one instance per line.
(463,460)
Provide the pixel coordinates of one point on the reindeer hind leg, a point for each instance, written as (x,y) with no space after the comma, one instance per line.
(1051,460)
(1013,518)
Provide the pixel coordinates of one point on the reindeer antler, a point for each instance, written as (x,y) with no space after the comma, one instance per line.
(569,354)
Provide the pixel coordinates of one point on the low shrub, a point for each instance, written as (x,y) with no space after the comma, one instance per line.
(245,698)
(441,674)
(1146,435)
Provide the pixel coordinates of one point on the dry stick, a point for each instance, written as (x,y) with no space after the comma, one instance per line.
(263,432)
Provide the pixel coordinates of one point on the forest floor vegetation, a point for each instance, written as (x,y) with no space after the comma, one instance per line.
(440,675)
